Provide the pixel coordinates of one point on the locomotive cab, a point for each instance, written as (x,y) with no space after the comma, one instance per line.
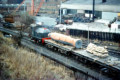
(38,33)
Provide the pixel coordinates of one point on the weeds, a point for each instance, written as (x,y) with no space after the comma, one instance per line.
(23,64)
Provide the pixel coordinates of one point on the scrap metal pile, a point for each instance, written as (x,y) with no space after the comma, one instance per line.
(97,50)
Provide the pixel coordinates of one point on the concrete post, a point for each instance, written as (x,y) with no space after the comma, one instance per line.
(64,11)
(60,13)
(88,35)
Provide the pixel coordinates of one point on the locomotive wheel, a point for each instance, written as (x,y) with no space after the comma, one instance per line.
(55,49)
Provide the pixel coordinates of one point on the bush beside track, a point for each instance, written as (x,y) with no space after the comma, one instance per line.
(24,64)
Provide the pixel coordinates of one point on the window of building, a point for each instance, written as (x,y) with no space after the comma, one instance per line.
(46,0)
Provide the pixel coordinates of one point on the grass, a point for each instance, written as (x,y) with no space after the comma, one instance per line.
(24,64)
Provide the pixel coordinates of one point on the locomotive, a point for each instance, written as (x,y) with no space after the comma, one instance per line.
(40,34)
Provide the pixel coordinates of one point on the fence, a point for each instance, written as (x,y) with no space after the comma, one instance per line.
(103,36)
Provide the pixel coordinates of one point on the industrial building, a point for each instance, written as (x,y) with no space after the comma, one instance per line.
(10,1)
(49,6)
(11,5)
(111,8)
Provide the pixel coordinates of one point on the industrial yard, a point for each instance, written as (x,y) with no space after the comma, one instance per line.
(59,40)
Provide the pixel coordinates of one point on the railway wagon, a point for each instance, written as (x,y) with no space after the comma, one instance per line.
(108,65)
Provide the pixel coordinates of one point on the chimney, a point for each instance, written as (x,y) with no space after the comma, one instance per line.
(104,1)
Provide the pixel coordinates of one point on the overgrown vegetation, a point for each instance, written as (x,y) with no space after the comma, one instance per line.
(24,64)
(25,20)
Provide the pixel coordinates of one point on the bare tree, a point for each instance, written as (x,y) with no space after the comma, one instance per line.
(25,20)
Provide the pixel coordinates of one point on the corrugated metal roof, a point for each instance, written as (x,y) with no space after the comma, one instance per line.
(110,5)
(81,2)
(109,2)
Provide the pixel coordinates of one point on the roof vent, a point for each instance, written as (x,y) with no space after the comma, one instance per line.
(104,1)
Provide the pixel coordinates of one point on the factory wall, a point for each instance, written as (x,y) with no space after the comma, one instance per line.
(49,6)
(98,14)
(88,13)
(95,35)
(72,11)
(14,1)
(80,11)
(109,15)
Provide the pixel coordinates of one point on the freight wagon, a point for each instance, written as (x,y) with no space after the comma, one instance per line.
(109,65)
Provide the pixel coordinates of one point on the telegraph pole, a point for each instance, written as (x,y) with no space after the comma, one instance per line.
(93,10)
(60,13)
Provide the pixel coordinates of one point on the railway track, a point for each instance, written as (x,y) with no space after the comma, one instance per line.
(65,60)
(100,69)
(73,63)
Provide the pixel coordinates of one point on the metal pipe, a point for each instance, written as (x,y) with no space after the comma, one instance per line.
(19,6)
(93,10)
(32,7)
(64,39)
(40,5)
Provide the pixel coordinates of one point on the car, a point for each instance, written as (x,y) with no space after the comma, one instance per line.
(65,19)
